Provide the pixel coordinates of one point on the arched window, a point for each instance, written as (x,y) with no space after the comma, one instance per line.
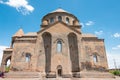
(51,20)
(67,20)
(59,46)
(28,57)
(95,58)
(59,18)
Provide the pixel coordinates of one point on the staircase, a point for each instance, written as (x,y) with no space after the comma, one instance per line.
(83,74)
(22,75)
(95,74)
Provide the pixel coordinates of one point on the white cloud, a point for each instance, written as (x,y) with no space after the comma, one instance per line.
(112,59)
(1,52)
(99,32)
(1,1)
(116,35)
(20,5)
(89,23)
(116,48)
(82,24)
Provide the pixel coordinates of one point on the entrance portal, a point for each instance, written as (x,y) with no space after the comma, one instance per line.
(59,70)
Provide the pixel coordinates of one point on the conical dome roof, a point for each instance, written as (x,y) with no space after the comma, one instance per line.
(19,33)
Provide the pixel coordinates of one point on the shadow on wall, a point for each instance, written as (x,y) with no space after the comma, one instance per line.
(74,56)
(47,46)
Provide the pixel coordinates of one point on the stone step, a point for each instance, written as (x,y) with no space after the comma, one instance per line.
(39,75)
(22,75)
(96,75)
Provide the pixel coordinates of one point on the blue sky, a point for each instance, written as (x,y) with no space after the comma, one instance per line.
(99,17)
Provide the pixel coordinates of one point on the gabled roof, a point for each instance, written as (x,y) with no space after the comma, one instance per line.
(19,33)
(88,35)
(68,26)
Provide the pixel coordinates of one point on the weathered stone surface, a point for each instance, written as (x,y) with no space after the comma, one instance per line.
(39,51)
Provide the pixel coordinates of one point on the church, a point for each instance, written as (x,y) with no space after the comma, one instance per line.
(59,48)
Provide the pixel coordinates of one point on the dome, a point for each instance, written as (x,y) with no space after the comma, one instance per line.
(59,15)
(59,10)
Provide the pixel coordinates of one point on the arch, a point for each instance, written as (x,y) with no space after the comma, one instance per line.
(28,57)
(51,20)
(59,70)
(45,22)
(59,18)
(75,22)
(67,20)
(6,63)
(59,46)
(47,47)
(6,59)
(73,49)
(95,58)
(58,39)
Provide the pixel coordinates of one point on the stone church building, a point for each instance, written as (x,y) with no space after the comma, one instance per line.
(58,49)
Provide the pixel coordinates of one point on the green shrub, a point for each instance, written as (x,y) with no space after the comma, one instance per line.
(7,68)
(116,72)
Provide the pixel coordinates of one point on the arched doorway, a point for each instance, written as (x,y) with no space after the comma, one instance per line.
(6,63)
(6,59)
(59,70)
